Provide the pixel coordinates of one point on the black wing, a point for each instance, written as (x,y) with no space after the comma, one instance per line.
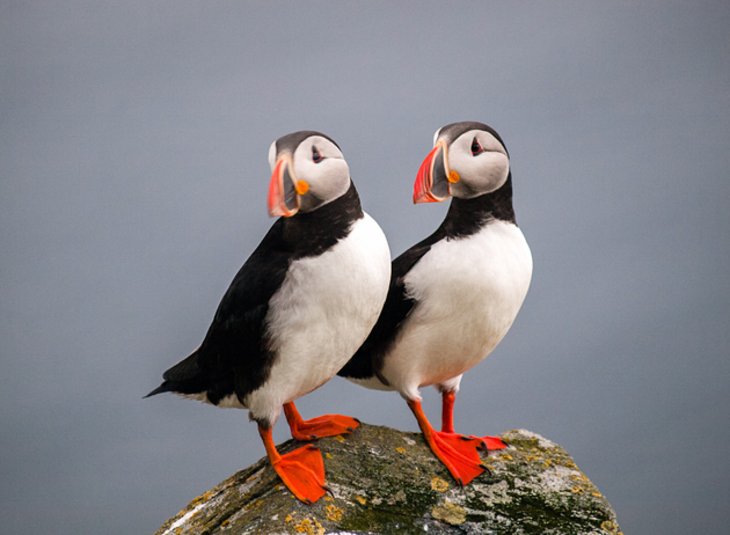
(368,359)
(234,356)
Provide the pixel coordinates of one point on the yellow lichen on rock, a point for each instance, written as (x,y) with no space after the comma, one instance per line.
(309,526)
(401,450)
(361,500)
(439,485)
(334,513)
(450,513)
(610,527)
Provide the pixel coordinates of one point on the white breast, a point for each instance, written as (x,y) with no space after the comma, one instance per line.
(322,313)
(469,291)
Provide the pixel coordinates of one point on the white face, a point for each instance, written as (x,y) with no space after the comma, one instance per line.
(320,164)
(481,162)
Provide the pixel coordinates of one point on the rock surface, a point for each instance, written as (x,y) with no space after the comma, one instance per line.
(387,481)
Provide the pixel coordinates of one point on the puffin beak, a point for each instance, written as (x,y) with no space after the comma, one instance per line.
(283,199)
(434,178)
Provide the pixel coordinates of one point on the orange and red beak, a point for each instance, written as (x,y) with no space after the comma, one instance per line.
(283,196)
(434,179)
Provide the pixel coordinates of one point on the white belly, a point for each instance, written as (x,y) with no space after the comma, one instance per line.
(469,291)
(322,313)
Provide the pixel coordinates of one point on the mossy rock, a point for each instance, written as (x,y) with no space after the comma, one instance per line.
(387,481)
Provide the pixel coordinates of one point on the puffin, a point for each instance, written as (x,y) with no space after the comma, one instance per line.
(297,310)
(453,296)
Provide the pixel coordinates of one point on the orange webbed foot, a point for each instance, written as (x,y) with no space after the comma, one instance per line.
(447,416)
(327,425)
(458,453)
(491,443)
(302,471)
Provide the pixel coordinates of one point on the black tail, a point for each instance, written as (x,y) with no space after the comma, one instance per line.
(164,387)
(184,377)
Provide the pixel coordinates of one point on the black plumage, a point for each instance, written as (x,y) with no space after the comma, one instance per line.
(234,356)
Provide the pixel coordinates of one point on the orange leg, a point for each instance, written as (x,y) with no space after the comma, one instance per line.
(323,426)
(458,453)
(447,412)
(447,423)
(301,470)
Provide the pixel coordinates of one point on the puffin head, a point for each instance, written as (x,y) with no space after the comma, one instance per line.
(308,171)
(468,159)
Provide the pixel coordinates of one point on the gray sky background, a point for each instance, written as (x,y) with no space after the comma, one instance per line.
(133,176)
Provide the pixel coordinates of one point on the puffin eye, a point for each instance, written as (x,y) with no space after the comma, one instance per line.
(476,148)
(316,155)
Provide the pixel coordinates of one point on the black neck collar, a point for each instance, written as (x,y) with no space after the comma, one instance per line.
(311,233)
(468,216)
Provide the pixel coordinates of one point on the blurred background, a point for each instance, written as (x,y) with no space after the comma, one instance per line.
(133,179)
